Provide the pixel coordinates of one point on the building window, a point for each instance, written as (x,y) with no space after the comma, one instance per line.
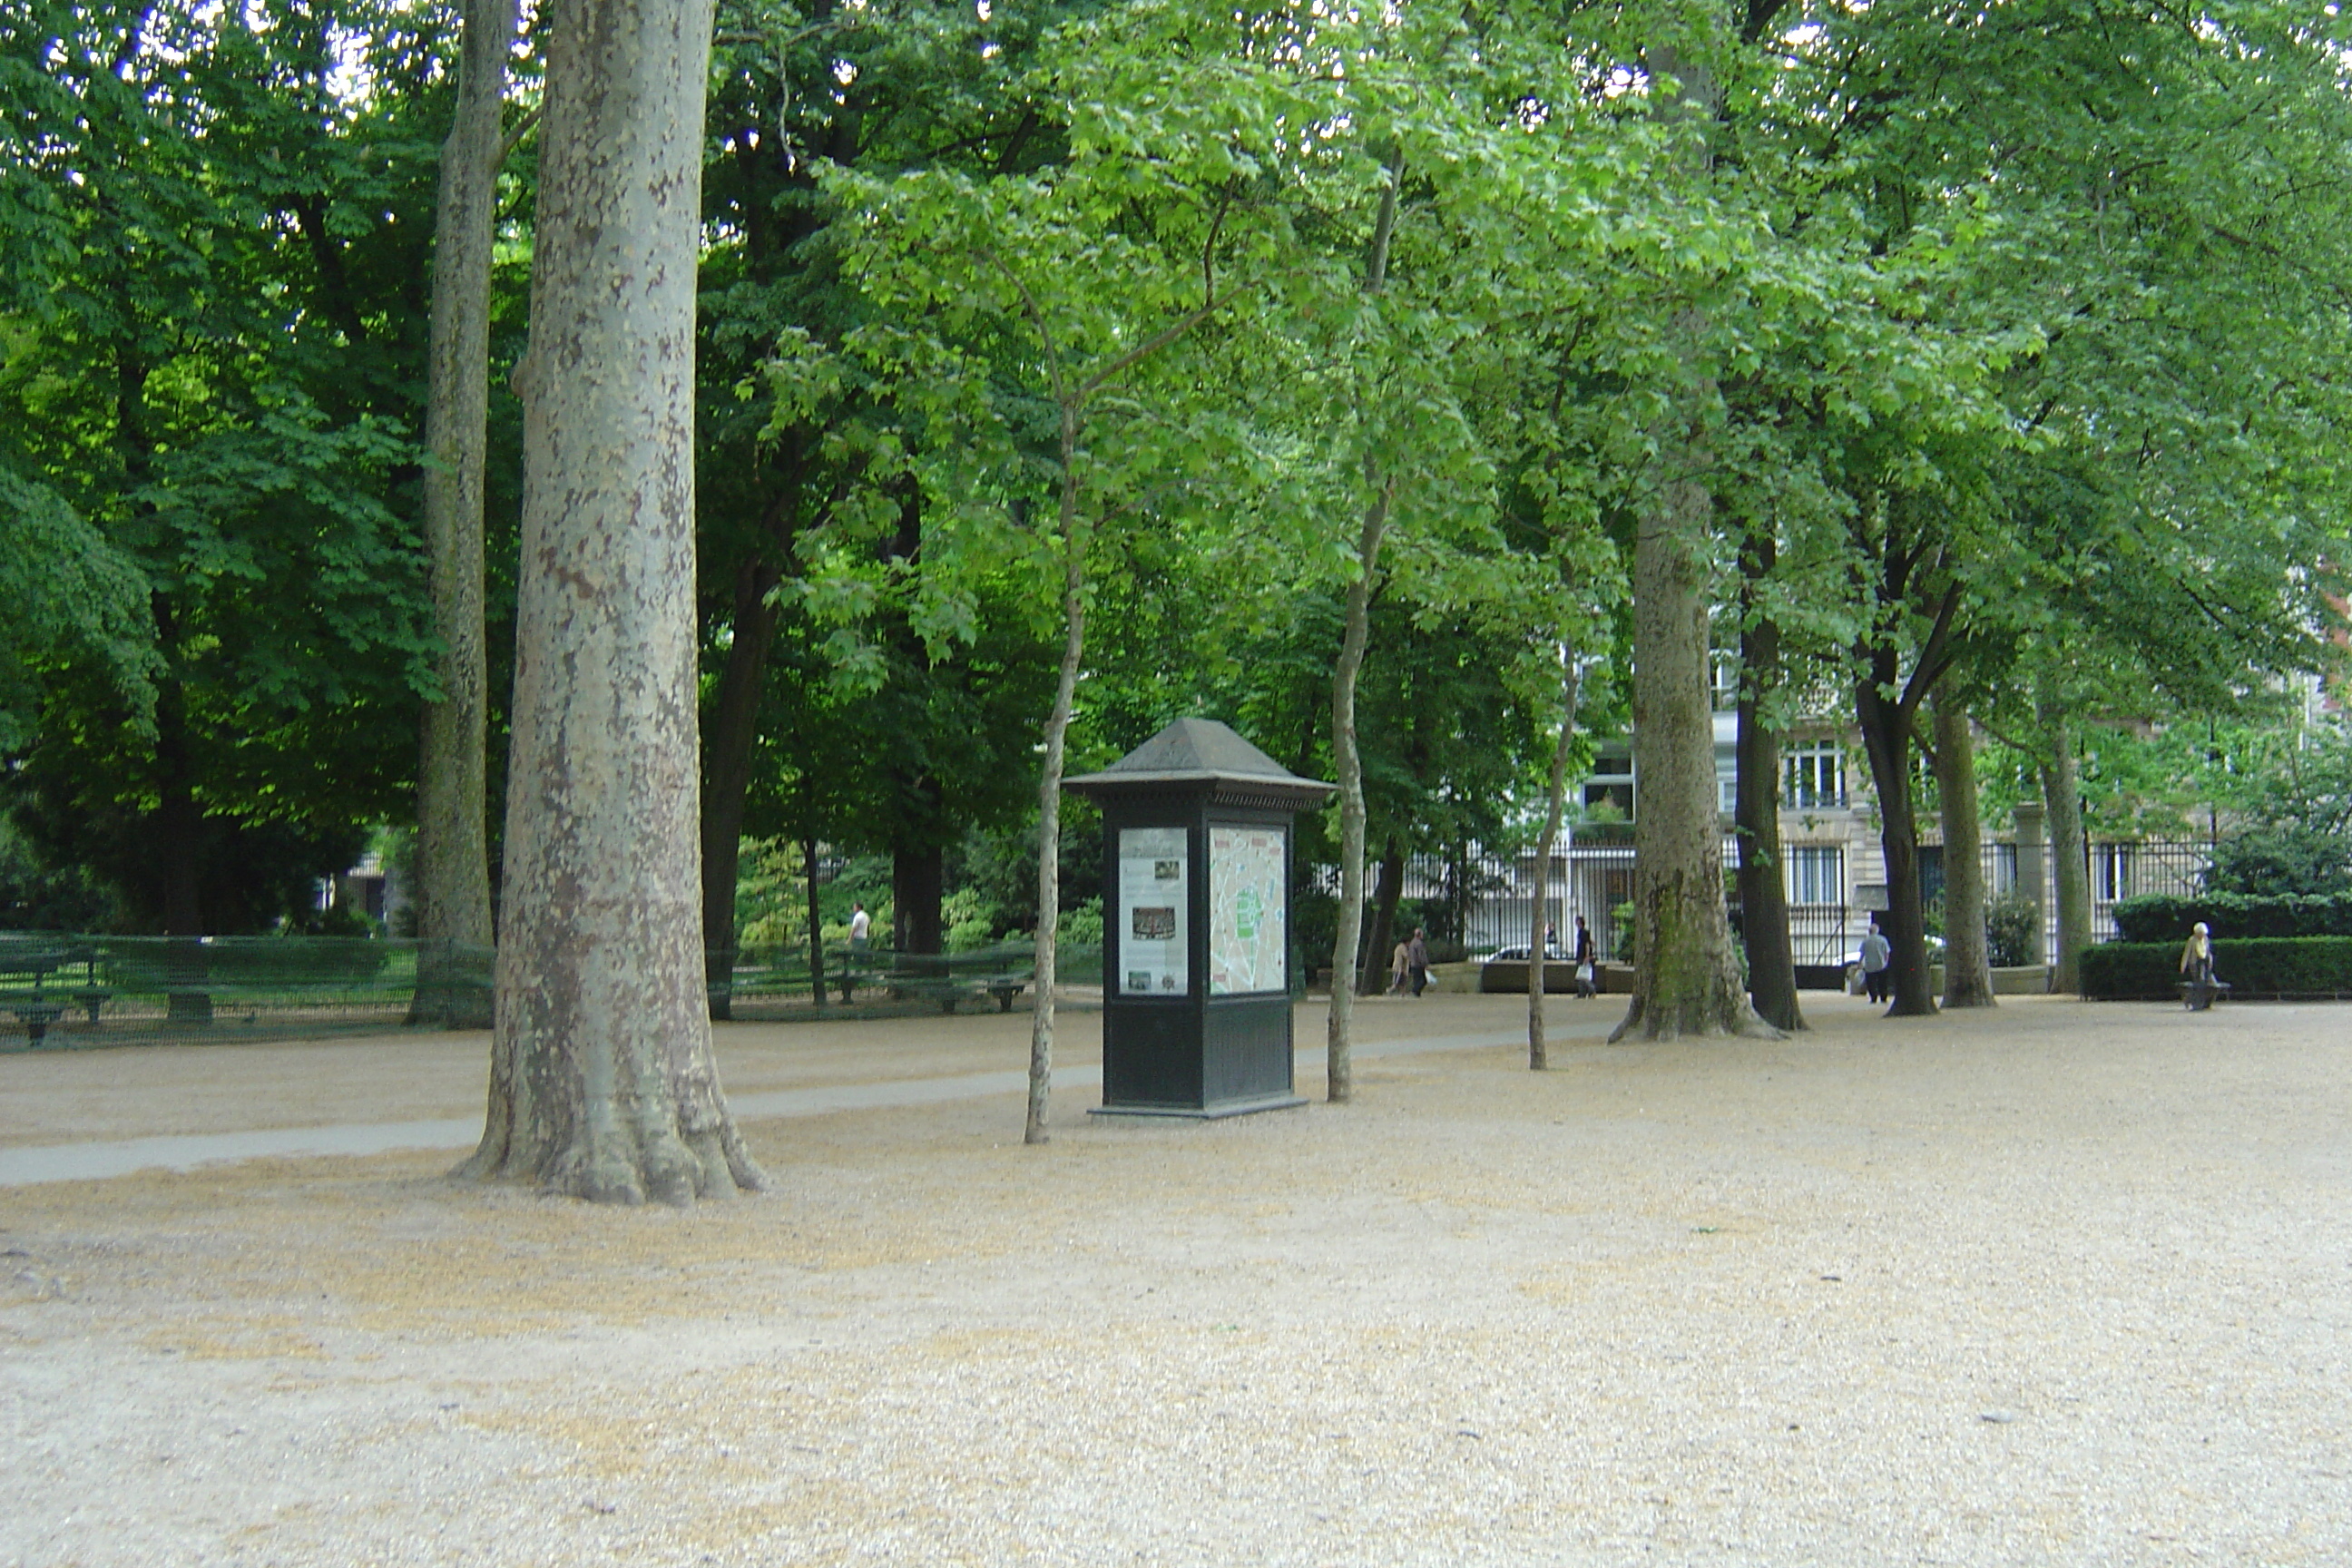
(1816,874)
(1723,680)
(1609,791)
(1812,777)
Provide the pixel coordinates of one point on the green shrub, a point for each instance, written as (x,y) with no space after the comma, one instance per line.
(2014,933)
(2285,858)
(1081,924)
(2164,917)
(2259,966)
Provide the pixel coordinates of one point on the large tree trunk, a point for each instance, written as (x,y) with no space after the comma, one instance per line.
(2062,798)
(918,891)
(1338,1031)
(728,741)
(1685,975)
(1886,739)
(1967,972)
(1387,888)
(603,1082)
(452,866)
(1049,787)
(1555,791)
(1763,878)
(179,842)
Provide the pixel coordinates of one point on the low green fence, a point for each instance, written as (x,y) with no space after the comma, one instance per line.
(2295,968)
(70,990)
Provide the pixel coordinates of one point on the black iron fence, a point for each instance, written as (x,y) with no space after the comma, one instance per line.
(1594,879)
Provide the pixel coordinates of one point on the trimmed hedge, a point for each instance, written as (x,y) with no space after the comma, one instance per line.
(2165,917)
(2272,966)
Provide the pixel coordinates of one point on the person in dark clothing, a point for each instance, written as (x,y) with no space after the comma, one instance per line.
(1586,970)
(1417,956)
(1876,955)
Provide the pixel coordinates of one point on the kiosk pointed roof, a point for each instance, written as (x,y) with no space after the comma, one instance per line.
(1202,752)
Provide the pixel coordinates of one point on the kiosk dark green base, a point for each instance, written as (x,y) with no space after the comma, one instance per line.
(1196,923)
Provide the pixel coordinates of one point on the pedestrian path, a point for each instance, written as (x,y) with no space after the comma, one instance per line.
(96,1161)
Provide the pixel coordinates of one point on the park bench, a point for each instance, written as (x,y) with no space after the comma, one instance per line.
(2197,995)
(38,1005)
(951,979)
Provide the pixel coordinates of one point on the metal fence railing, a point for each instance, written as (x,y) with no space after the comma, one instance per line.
(1496,892)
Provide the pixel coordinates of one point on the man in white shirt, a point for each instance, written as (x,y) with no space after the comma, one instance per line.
(861,926)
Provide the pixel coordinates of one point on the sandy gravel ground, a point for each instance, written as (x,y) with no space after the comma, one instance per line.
(2056,1284)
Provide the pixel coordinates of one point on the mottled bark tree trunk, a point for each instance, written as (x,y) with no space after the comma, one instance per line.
(1685,975)
(1555,791)
(453,867)
(1338,1029)
(1763,880)
(603,1082)
(2062,798)
(1967,972)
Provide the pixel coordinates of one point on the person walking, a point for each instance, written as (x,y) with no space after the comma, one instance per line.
(1417,958)
(1399,968)
(1587,972)
(1876,955)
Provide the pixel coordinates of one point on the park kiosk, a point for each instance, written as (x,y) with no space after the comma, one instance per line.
(1196,922)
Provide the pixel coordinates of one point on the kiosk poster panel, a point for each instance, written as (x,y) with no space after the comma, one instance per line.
(1154,957)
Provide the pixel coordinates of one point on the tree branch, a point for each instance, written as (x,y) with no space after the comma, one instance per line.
(522,128)
(1933,659)
(1151,345)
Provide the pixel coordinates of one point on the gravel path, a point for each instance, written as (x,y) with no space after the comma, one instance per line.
(2060,1283)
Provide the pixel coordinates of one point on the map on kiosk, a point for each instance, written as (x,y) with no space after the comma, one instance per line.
(1249,947)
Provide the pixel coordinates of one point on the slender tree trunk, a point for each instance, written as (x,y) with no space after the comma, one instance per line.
(1387,888)
(1339,1030)
(815,922)
(1555,791)
(1338,1033)
(1967,972)
(603,1084)
(1763,878)
(1049,788)
(1886,738)
(2062,797)
(453,864)
(729,738)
